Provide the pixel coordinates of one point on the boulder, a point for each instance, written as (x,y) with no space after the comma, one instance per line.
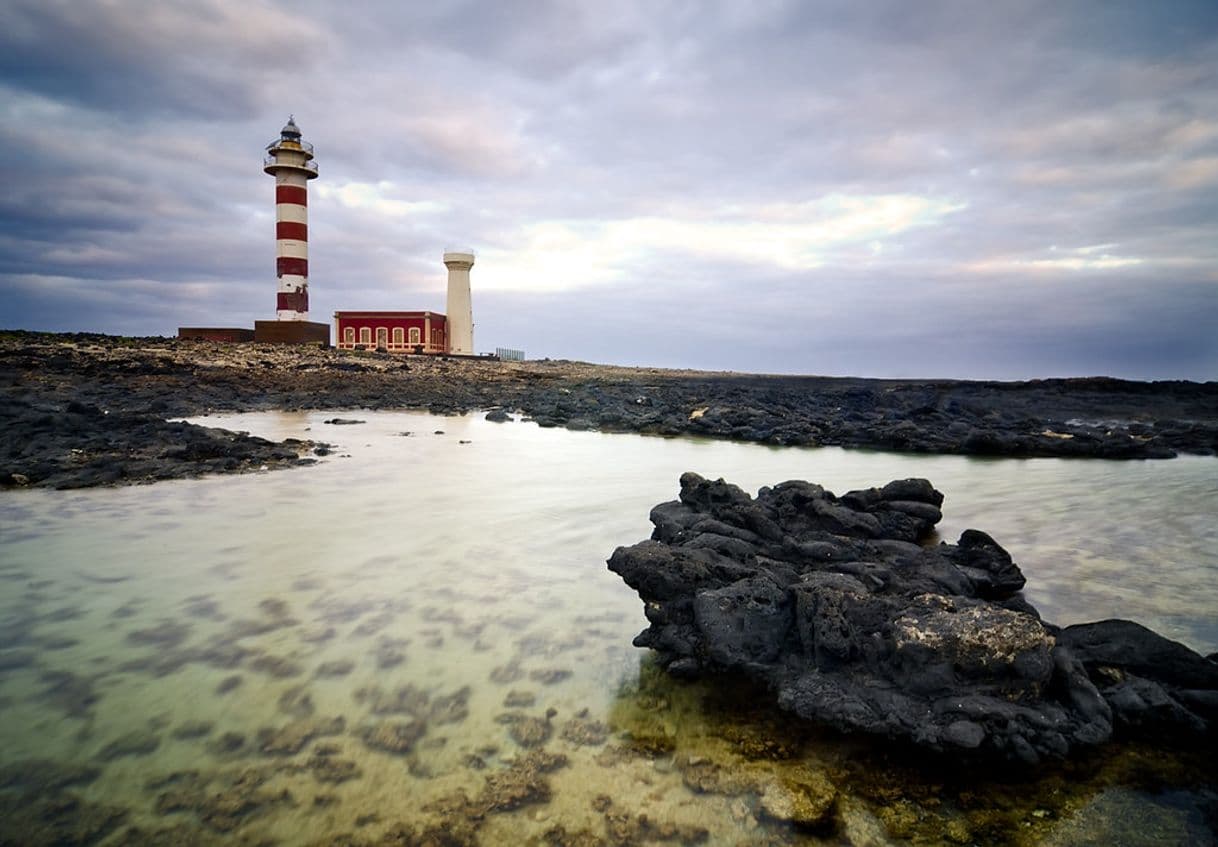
(842,608)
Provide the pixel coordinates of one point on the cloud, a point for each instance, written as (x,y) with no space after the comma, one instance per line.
(793,236)
(862,188)
(217,58)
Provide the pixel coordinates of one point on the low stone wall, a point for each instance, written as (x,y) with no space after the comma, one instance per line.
(227,334)
(291,332)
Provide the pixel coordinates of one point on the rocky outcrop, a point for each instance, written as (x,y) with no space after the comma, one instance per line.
(81,446)
(837,606)
(83,410)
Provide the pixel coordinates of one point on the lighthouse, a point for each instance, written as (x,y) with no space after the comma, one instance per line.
(290,160)
(460,310)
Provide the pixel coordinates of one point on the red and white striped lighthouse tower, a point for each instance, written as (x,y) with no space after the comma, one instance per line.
(290,161)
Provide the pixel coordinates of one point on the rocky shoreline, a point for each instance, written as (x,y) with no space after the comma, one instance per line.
(841,608)
(80,410)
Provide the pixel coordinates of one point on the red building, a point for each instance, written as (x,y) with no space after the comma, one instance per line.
(397,332)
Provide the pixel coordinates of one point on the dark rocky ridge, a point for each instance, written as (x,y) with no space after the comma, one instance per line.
(159,378)
(837,607)
(80,446)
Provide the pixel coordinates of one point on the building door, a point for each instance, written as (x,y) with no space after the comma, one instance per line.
(382,337)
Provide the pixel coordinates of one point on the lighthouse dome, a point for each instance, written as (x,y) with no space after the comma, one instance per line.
(290,130)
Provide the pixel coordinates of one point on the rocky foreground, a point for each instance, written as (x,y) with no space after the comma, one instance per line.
(80,410)
(834,605)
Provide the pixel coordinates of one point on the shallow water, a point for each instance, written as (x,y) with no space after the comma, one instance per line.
(413,580)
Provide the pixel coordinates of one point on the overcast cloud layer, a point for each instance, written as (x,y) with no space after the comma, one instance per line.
(1003,190)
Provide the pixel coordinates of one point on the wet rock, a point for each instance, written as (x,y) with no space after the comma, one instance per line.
(705,776)
(625,827)
(389,652)
(408,699)
(254,627)
(559,836)
(550,676)
(651,741)
(614,755)
(228,684)
(274,607)
(292,737)
(72,694)
(166,634)
(12,660)
(170,836)
(450,708)
(374,624)
(475,762)
(45,776)
(219,653)
(807,802)
(204,608)
(228,744)
(56,820)
(585,732)
(521,784)
(338,667)
(1157,688)
(764,740)
(54,642)
(451,833)
(17,628)
(831,602)
(529,731)
(136,743)
(160,663)
(221,802)
(193,729)
(397,737)
(332,769)
(64,613)
(507,674)
(72,444)
(319,635)
(297,702)
(279,667)
(127,610)
(519,699)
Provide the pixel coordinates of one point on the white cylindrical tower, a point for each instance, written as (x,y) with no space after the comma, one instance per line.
(460,309)
(290,161)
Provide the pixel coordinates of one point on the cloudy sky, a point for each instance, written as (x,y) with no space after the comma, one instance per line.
(1002,190)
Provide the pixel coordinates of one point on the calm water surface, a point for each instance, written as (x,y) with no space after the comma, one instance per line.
(447,591)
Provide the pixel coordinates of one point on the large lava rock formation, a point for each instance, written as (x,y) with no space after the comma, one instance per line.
(837,607)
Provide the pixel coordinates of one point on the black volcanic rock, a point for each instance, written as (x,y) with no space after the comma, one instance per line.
(82,445)
(834,603)
(53,386)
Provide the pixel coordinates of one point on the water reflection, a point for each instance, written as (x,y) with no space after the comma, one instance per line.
(421,629)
